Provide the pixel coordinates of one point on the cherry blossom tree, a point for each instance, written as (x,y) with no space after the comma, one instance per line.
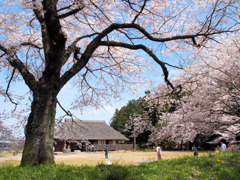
(139,120)
(8,137)
(5,133)
(208,102)
(137,125)
(91,44)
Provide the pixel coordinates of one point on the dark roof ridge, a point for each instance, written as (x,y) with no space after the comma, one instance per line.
(86,121)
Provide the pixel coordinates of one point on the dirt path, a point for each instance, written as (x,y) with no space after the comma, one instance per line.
(94,158)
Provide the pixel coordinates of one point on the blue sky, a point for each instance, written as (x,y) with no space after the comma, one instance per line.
(67,95)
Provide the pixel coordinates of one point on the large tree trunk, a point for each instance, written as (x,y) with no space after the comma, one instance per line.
(39,132)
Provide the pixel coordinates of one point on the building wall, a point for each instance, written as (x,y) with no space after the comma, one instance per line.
(101,142)
(106,142)
(59,145)
(99,145)
(113,147)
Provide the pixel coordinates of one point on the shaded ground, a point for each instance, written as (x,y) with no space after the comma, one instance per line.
(94,158)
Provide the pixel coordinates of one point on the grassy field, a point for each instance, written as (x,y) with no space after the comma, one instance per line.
(214,166)
(93,159)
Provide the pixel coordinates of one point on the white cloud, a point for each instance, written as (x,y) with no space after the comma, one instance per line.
(174,73)
(107,109)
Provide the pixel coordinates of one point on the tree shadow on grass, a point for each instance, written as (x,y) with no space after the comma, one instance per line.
(113,172)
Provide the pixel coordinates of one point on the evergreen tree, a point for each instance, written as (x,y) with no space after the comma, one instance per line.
(121,116)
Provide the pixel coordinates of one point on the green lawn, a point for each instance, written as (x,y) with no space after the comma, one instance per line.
(218,166)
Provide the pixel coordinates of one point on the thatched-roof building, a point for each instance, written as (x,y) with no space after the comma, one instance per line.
(88,135)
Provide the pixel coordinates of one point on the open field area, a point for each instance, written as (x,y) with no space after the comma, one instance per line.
(95,158)
(216,166)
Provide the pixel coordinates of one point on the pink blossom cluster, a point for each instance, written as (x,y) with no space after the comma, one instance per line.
(209,102)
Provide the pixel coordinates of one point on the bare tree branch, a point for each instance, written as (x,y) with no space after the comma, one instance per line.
(144,48)
(72,48)
(68,113)
(74,11)
(8,86)
(130,4)
(16,63)
(144,4)
(101,11)
(95,44)
(31,44)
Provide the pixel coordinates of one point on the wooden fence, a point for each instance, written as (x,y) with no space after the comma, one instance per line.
(113,147)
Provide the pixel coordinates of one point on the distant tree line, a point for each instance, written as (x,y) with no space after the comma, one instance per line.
(122,121)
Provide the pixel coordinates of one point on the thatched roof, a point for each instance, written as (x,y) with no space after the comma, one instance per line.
(87,130)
